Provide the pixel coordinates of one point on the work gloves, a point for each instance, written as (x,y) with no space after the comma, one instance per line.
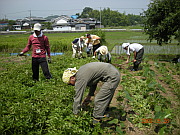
(49,60)
(21,54)
(75,46)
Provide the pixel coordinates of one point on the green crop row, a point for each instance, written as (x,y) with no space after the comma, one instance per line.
(146,100)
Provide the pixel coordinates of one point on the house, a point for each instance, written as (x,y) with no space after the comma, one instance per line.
(17,27)
(27,22)
(61,23)
(3,25)
(91,23)
(65,23)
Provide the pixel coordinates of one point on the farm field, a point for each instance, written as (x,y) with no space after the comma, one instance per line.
(146,102)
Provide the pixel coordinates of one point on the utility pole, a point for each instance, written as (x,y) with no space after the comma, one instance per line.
(100,17)
(30,18)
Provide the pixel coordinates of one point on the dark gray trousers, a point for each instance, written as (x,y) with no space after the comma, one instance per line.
(106,93)
(139,57)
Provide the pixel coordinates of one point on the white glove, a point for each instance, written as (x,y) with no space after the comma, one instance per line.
(80,52)
(21,54)
(75,46)
(93,57)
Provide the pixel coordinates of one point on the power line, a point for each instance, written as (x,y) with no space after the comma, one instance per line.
(69,10)
(18,12)
(26,12)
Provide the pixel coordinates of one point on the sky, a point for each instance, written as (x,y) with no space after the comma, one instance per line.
(19,9)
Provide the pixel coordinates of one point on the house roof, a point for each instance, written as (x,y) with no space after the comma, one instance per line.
(62,17)
(32,19)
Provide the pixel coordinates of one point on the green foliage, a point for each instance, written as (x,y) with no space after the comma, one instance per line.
(99,33)
(167,77)
(162,20)
(45,107)
(145,98)
(85,12)
(46,25)
(111,18)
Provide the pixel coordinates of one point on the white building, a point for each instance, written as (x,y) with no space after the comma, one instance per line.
(65,23)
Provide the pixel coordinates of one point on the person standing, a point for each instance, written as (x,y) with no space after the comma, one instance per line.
(77,46)
(95,40)
(138,51)
(40,46)
(89,48)
(89,75)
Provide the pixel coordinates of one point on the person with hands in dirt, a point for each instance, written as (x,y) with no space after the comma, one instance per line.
(103,54)
(40,46)
(89,75)
(77,46)
(138,51)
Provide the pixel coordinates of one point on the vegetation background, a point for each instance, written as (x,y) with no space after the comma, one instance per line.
(45,107)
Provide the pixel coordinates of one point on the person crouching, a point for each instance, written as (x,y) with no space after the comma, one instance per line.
(103,54)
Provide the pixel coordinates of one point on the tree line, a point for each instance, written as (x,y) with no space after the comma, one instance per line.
(160,20)
(110,18)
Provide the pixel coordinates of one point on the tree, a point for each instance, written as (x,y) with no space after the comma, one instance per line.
(162,20)
(110,18)
(86,12)
(134,19)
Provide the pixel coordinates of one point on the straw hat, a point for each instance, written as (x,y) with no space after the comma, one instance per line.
(68,73)
(124,45)
(103,50)
(37,27)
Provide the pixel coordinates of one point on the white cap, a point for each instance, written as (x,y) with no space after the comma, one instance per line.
(37,27)
(103,50)
(124,45)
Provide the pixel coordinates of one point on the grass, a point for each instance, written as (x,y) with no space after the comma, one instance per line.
(45,107)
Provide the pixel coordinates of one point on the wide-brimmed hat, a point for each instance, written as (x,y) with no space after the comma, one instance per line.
(68,73)
(37,27)
(103,50)
(124,45)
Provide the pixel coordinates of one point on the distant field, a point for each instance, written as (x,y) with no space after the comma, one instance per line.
(62,41)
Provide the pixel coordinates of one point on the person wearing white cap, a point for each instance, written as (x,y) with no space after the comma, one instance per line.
(138,51)
(77,45)
(89,75)
(103,54)
(40,46)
